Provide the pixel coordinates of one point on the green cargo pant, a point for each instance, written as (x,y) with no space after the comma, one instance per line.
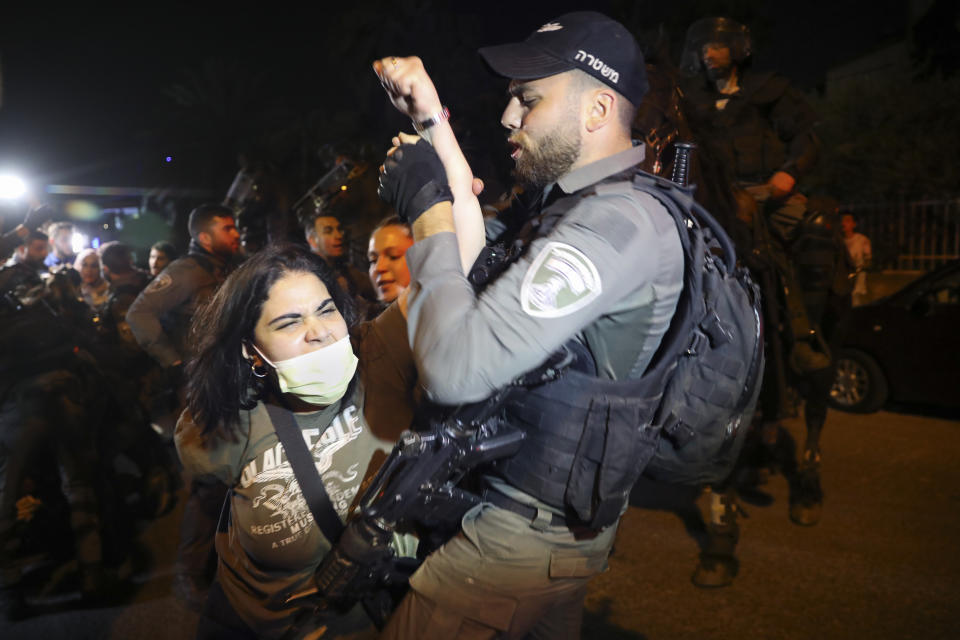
(502,578)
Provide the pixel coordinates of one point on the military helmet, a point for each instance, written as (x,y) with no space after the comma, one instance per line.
(707,30)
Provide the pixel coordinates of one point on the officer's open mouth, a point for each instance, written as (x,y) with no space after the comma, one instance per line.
(515,149)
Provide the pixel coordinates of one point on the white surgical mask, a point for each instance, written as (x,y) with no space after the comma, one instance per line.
(320,377)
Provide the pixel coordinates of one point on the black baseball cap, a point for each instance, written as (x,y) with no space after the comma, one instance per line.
(585,40)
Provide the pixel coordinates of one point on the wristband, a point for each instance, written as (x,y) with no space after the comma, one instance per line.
(435,119)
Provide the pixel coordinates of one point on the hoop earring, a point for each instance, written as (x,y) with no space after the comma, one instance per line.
(259,372)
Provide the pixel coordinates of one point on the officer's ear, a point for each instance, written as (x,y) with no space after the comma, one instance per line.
(601,109)
(313,240)
(205,240)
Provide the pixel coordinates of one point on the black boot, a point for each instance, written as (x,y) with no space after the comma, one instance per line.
(13,607)
(718,561)
(806,500)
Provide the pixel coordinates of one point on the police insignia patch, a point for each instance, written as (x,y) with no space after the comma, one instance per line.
(161,282)
(561,280)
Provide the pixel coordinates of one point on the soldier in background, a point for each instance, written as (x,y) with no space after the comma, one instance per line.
(162,253)
(160,316)
(762,129)
(61,237)
(160,320)
(326,239)
(51,392)
(32,252)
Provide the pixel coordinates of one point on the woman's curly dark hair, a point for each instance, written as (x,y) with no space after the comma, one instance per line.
(220,382)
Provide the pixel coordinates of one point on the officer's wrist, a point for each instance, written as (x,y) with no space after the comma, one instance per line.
(425,119)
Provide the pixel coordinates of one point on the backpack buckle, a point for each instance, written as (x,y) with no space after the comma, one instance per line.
(697,343)
(715,329)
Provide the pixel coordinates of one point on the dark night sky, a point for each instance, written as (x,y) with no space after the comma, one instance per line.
(82,90)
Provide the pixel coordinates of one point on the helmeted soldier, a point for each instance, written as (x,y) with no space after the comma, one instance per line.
(767,125)
(763,130)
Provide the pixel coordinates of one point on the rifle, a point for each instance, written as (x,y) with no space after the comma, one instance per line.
(415,489)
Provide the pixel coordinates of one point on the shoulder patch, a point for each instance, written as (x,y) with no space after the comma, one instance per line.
(160,283)
(560,280)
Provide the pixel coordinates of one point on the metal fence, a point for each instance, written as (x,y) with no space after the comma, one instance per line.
(911,236)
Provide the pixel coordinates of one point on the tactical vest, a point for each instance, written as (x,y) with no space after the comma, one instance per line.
(822,261)
(588,439)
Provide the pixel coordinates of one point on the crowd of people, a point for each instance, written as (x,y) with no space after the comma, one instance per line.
(241,351)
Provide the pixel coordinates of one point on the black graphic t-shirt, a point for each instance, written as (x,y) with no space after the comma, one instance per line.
(272,547)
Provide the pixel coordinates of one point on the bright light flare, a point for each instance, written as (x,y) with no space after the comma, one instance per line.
(12,187)
(78,242)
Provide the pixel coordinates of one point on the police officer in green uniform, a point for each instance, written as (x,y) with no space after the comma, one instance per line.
(593,264)
(160,320)
(160,316)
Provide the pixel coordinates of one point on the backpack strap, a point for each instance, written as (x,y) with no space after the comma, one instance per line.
(682,197)
(305,470)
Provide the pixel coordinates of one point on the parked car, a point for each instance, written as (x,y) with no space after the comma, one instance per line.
(904,348)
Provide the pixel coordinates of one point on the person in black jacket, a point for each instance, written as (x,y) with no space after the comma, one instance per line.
(762,129)
(765,124)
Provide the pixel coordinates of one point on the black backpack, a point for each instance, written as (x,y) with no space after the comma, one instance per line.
(693,402)
(710,361)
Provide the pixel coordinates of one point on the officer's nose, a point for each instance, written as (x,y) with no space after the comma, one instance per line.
(511,118)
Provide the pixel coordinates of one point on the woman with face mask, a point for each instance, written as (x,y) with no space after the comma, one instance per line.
(275,343)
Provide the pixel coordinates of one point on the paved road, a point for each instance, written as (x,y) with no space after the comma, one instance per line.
(883,563)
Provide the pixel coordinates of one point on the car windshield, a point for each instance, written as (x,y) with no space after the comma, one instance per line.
(943,284)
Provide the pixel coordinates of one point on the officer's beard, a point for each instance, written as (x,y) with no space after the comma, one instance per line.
(550,157)
(718,75)
(224,251)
